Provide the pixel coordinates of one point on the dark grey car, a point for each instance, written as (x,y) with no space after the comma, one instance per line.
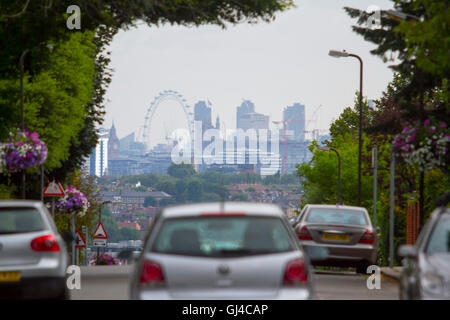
(345,231)
(426,272)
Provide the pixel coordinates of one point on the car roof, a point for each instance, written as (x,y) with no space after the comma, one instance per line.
(255,209)
(336,207)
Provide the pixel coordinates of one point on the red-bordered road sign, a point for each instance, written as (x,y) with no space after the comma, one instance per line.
(79,240)
(100,232)
(53,190)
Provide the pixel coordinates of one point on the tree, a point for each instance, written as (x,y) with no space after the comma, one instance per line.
(421,46)
(149,201)
(181,171)
(36,24)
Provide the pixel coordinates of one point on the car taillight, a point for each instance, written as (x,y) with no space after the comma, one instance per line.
(295,272)
(151,273)
(303,234)
(367,237)
(45,243)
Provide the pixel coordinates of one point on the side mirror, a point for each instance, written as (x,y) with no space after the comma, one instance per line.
(125,254)
(407,251)
(67,236)
(317,253)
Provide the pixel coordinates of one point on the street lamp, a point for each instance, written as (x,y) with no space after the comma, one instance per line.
(340,54)
(22,124)
(398,15)
(339,171)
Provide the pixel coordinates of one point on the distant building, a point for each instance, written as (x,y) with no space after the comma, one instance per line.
(129,147)
(113,144)
(247,118)
(98,160)
(123,200)
(254,121)
(202,112)
(246,107)
(295,114)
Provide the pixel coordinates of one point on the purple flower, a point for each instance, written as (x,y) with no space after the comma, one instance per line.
(431,130)
(443,125)
(426,121)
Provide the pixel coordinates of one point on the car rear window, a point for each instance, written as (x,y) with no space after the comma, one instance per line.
(222,236)
(337,216)
(19,220)
(440,238)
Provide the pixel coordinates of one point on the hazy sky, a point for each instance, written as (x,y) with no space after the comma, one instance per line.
(273,65)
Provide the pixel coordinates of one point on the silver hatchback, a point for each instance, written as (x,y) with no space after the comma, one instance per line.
(222,251)
(33,256)
(345,231)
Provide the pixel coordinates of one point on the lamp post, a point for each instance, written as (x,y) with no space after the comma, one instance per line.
(99,221)
(340,54)
(22,123)
(339,171)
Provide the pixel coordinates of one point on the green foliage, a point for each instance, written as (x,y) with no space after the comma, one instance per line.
(149,201)
(239,197)
(56,98)
(181,171)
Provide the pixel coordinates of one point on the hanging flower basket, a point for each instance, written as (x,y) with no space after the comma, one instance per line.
(74,201)
(104,259)
(23,150)
(425,146)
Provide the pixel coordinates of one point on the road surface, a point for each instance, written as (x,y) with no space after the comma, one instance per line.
(107,283)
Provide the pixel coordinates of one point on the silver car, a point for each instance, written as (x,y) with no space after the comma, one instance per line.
(426,266)
(345,231)
(33,256)
(222,251)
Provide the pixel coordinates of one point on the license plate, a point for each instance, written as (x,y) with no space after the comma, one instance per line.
(335,236)
(9,276)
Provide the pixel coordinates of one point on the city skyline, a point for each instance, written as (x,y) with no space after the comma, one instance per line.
(273,64)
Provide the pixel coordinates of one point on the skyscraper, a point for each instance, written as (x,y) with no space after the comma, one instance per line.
(247,118)
(296,125)
(202,112)
(98,160)
(246,107)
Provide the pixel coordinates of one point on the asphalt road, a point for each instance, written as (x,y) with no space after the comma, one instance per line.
(108,283)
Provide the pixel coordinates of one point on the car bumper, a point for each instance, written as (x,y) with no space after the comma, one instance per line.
(33,288)
(53,267)
(164,294)
(344,255)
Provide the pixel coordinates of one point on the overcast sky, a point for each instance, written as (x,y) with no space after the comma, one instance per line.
(274,65)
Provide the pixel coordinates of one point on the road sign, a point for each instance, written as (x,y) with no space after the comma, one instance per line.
(53,190)
(100,232)
(79,240)
(99,242)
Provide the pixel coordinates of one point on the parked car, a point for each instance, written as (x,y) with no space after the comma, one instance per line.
(33,256)
(426,265)
(345,231)
(222,251)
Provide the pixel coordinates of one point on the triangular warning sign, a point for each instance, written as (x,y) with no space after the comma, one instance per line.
(79,240)
(100,232)
(53,190)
